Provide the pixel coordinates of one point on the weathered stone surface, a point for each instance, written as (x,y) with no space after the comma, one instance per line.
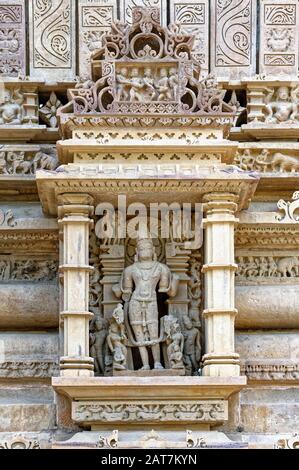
(24,346)
(27,417)
(270,410)
(39,307)
(259,345)
(13,40)
(267,306)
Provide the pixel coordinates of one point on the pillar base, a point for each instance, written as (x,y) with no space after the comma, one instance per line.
(215,365)
(76,367)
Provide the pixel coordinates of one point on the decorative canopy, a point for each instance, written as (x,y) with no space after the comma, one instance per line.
(147,69)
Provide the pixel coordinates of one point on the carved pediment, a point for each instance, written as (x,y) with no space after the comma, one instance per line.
(147,69)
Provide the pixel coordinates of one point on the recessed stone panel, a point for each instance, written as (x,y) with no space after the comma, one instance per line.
(52,39)
(193,15)
(95,18)
(233,38)
(279,37)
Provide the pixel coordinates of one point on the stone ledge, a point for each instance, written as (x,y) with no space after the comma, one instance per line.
(166,388)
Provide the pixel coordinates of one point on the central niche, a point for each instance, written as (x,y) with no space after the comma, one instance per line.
(146,297)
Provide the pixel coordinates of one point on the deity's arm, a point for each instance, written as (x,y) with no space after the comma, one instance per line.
(182,341)
(169,283)
(294,110)
(125,287)
(127,282)
(110,344)
(198,346)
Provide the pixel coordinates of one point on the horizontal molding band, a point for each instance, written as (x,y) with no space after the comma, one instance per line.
(217,266)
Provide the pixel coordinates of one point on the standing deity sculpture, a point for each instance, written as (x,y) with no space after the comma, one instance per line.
(97,339)
(116,339)
(192,345)
(138,289)
(122,85)
(137,85)
(164,88)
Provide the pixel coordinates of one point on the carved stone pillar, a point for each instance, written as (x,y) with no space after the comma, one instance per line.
(219,269)
(177,259)
(113,263)
(74,214)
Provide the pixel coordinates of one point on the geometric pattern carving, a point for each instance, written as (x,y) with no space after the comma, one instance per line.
(193,15)
(95,19)
(12,38)
(279,37)
(233,38)
(52,39)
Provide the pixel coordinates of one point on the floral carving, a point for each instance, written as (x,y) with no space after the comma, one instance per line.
(48,113)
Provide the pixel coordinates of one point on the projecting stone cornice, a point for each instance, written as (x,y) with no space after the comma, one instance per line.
(144,183)
(72,122)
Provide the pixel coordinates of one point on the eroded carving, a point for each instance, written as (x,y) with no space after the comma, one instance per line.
(281,104)
(12,269)
(26,162)
(267,267)
(11,110)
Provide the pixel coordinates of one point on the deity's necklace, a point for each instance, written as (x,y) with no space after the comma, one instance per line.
(146,276)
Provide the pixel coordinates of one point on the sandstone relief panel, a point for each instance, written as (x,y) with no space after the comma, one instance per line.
(52,39)
(233,25)
(12,38)
(126,9)
(30,270)
(193,15)
(267,268)
(279,38)
(95,19)
(268,160)
(23,160)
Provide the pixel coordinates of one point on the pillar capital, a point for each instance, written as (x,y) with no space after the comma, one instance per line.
(220,203)
(75,199)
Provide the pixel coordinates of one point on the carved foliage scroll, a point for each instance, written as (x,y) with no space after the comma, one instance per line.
(126,7)
(193,15)
(234,30)
(52,39)
(12,37)
(95,19)
(279,37)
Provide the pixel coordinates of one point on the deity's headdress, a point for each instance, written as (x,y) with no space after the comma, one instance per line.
(148,242)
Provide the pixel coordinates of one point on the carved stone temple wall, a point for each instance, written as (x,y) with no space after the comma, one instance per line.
(159,101)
